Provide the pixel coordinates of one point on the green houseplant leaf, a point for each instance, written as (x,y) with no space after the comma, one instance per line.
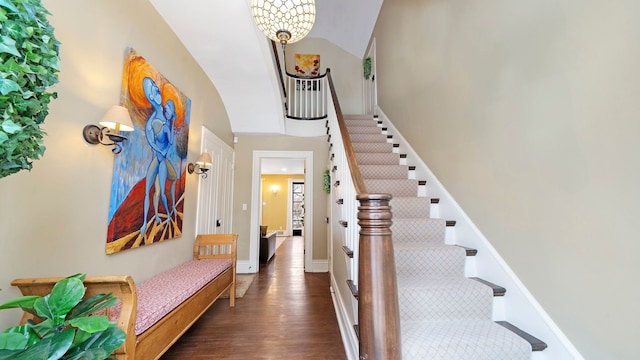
(52,347)
(24,302)
(107,341)
(90,324)
(29,65)
(66,294)
(93,304)
(13,341)
(26,331)
(69,329)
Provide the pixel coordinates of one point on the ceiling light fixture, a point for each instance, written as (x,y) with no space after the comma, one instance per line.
(285,21)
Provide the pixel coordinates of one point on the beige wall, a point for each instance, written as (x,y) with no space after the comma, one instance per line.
(274,206)
(242,185)
(528,113)
(54,218)
(346,70)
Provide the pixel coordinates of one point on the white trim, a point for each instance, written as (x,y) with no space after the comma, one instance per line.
(256,205)
(244,267)
(529,316)
(320,266)
(289,229)
(347,332)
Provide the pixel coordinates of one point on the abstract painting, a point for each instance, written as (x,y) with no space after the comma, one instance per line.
(307,64)
(147,189)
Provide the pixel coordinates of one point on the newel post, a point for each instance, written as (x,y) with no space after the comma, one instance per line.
(378,314)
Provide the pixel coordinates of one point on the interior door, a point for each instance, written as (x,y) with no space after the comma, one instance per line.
(369,85)
(215,191)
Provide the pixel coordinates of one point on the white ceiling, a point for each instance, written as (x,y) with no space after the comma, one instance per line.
(346,23)
(222,38)
(281,166)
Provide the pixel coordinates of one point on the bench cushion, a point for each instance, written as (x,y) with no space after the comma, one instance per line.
(164,292)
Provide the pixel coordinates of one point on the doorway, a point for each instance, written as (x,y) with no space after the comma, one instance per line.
(257,203)
(296,204)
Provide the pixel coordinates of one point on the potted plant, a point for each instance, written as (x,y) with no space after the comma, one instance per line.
(29,65)
(69,330)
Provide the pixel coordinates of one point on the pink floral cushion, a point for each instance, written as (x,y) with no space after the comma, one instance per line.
(164,292)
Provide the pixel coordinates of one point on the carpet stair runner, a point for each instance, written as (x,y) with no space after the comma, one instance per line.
(443,314)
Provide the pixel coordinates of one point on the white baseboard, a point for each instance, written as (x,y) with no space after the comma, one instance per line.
(244,267)
(349,338)
(317,266)
(320,266)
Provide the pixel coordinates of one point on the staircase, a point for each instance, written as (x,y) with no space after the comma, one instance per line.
(443,314)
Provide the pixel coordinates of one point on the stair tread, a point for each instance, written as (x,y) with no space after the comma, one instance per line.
(455,339)
(448,298)
(347,251)
(497,289)
(353,288)
(395,187)
(536,344)
(410,207)
(375,159)
(470,251)
(363,129)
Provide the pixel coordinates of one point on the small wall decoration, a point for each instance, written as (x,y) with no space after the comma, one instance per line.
(307,64)
(147,191)
(366,64)
(326,181)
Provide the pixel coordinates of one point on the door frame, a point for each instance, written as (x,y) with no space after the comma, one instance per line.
(256,203)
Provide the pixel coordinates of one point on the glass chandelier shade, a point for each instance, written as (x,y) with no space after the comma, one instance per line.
(285,21)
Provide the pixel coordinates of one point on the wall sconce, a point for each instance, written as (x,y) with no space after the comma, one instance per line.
(274,189)
(201,166)
(115,120)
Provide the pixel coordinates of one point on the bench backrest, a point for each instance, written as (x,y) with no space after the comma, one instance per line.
(216,246)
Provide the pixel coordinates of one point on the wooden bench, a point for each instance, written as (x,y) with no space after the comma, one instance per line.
(154,341)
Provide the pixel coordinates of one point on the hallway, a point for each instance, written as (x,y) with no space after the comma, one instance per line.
(285,314)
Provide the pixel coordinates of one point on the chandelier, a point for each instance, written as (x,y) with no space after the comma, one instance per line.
(285,21)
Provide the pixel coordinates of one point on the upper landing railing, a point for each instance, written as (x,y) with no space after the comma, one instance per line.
(306,97)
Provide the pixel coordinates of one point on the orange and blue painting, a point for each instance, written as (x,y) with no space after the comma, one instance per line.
(147,189)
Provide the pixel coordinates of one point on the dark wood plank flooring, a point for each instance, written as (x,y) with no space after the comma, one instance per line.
(285,314)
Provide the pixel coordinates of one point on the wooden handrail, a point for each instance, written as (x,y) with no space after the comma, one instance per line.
(356,176)
(306,77)
(378,310)
(279,67)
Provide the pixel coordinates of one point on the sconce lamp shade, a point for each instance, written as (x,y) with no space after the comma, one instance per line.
(285,21)
(201,166)
(117,118)
(204,160)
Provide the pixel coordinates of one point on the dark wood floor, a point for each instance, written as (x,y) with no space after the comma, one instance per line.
(285,314)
